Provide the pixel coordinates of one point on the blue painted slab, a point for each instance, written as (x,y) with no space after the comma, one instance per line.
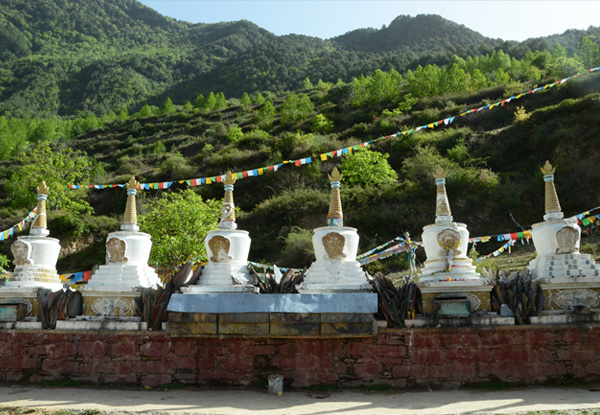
(226,303)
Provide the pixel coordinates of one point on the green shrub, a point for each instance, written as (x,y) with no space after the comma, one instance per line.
(176,166)
(298,248)
(368,168)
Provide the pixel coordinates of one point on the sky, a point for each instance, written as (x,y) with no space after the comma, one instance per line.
(508,20)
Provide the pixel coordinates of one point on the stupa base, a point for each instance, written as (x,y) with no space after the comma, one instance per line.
(462,298)
(110,301)
(25,295)
(571,293)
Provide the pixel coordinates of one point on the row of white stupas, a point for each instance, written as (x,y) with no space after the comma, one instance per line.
(447,269)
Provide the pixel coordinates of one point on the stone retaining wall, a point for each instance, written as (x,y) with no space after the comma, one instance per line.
(400,358)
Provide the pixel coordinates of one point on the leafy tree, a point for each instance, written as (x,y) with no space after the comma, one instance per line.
(589,52)
(366,167)
(199,101)
(220,102)
(58,166)
(565,67)
(501,77)
(454,79)
(245,101)
(266,115)
(144,112)
(210,102)
(159,148)
(167,107)
(234,133)
(188,106)
(295,109)
(321,124)
(383,87)
(4,263)
(424,82)
(178,223)
(123,114)
(477,80)
(306,84)
(259,99)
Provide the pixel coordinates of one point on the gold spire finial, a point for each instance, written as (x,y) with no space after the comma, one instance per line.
(439,173)
(40,223)
(229,178)
(42,189)
(335,175)
(548,169)
(442,205)
(130,217)
(335,217)
(228,208)
(132,183)
(551,203)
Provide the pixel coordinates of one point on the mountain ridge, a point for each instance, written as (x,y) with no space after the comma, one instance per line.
(69,57)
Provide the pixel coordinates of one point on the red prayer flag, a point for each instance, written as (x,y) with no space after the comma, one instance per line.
(87,275)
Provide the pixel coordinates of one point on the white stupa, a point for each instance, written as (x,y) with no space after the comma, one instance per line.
(336,246)
(35,258)
(567,277)
(111,289)
(227,248)
(448,271)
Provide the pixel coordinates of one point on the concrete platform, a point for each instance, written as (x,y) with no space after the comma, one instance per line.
(226,303)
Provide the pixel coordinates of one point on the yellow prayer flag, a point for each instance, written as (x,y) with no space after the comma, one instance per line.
(485,239)
(323,156)
(430,125)
(592,219)
(261,172)
(208,181)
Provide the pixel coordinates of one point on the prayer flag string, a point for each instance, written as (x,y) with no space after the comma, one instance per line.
(4,235)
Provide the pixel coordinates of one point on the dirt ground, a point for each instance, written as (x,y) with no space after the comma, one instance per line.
(17,400)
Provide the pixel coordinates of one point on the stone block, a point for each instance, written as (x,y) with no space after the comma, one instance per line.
(243,318)
(243,329)
(283,318)
(346,318)
(295,329)
(191,329)
(197,318)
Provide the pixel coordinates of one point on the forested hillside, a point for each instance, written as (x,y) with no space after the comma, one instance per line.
(93,92)
(70,57)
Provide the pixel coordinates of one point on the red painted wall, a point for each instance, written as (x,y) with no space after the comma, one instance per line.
(400,358)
